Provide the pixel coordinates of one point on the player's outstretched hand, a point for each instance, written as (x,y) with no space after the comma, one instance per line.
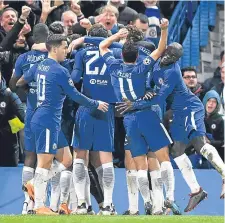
(122,33)
(123,107)
(164,23)
(149,95)
(103,106)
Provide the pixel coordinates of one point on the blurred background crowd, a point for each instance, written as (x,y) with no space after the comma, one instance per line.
(205,80)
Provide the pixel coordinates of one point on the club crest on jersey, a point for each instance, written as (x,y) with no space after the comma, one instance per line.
(161,81)
(213,126)
(92,81)
(32,91)
(3,104)
(146,61)
(71,82)
(54,146)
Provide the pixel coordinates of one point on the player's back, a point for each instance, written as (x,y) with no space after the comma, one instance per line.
(23,64)
(49,76)
(181,96)
(96,77)
(129,80)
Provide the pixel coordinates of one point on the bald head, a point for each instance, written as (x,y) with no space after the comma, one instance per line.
(172,54)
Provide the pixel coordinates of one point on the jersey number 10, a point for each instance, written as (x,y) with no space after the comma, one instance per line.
(41,88)
(96,70)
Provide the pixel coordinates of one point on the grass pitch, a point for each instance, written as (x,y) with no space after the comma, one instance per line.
(111,219)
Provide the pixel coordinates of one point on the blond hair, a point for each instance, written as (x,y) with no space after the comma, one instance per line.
(110,8)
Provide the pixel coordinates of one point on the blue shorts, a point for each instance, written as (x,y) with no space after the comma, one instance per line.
(187,125)
(62,141)
(46,140)
(94,130)
(155,108)
(145,130)
(29,140)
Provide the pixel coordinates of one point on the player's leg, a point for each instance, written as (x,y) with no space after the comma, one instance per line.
(182,125)
(29,164)
(64,157)
(185,166)
(132,185)
(157,184)
(82,143)
(95,187)
(158,139)
(80,180)
(103,144)
(211,154)
(46,147)
(138,150)
(27,175)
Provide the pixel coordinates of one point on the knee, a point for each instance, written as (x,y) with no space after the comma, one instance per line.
(68,162)
(177,149)
(30,159)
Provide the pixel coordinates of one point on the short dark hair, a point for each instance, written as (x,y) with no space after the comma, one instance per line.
(55,40)
(185,69)
(98,30)
(130,52)
(134,34)
(142,17)
(40,33)
(221,55)
(148,45)
(56,27)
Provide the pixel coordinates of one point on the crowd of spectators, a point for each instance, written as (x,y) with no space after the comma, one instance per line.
(17,21)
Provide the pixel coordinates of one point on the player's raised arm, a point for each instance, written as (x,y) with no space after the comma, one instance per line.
(105,44)
(156,54)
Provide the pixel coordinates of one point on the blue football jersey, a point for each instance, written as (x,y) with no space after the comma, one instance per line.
(53,84)
(96,77)
(23,64)
(128,80)
(169,82)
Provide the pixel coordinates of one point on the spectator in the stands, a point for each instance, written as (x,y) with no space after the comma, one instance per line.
(153,13)
(10,108)
(219,87)
(190,78)
(69,18)
(214,122)
(141,22)
(216,79)
(9,32)
(108,18)
(126,14)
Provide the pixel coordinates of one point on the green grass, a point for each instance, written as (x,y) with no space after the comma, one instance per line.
(111,219)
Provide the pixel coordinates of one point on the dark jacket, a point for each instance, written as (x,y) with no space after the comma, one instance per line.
(198,91)
(213,81)
(126,14)
(10,106)
(214,124)
(8,39)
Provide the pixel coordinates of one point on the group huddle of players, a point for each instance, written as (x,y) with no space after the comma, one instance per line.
(122,72)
